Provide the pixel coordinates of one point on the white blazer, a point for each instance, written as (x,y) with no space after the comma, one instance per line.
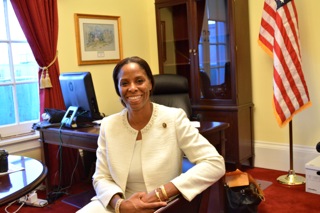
(165,139)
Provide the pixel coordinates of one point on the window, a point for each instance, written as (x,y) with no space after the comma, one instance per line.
(19,92)
(213,43)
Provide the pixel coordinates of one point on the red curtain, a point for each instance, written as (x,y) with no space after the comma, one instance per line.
(39,22)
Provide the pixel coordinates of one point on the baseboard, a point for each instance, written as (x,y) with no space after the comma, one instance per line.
(276,156)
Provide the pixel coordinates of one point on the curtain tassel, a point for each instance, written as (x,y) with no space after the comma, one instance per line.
(45,81)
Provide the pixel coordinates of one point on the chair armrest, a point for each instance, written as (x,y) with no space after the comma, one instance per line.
(210,200)
(180,204)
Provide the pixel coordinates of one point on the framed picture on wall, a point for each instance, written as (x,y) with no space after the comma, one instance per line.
(98,39)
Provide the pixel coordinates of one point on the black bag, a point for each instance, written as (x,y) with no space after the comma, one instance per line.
(54,115)
(243,194)
(243,199)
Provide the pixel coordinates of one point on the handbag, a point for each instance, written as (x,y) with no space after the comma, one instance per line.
(243,193)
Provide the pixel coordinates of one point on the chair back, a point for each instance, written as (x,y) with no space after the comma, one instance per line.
(173,91)
(222,91)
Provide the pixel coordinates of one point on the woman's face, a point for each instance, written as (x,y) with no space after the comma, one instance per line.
(134,86)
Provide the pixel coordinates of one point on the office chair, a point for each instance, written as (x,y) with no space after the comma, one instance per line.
(222,91)
(173,91)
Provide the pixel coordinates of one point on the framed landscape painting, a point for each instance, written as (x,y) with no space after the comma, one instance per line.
(98,39)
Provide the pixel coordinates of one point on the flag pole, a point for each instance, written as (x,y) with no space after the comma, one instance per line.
(291,178)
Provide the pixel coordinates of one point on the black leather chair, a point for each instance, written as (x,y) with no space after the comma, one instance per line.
(222,91)
(172,90)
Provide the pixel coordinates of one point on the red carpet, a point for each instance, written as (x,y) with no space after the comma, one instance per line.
(283,198)
(279,198)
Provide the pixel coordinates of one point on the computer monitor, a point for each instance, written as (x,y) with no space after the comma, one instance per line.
(78,91)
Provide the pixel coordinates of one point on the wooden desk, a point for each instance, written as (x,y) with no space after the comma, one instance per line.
(86,139)
(19,183)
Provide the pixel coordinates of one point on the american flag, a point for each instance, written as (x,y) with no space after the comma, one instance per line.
(279,37)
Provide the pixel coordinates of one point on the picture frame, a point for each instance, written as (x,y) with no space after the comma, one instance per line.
(98,39)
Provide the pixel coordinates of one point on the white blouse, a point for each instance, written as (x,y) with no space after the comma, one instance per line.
(135,179)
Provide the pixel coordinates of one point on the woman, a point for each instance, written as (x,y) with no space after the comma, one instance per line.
(140,150)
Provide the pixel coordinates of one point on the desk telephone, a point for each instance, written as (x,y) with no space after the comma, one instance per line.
(75,117)
(69,118)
